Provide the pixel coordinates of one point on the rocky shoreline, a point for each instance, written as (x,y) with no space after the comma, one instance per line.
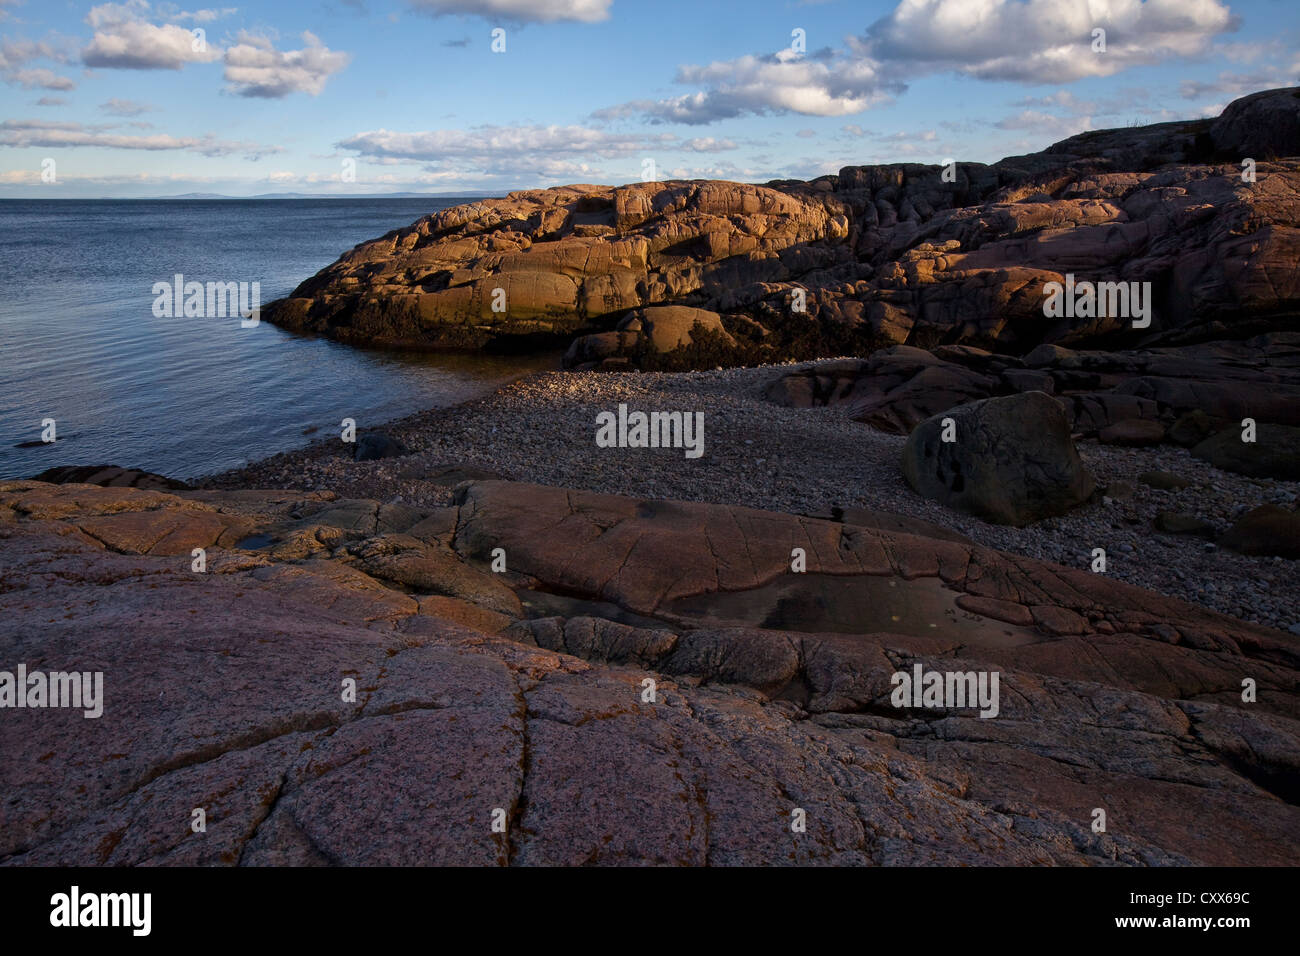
(643,682)
(807,461)
(493,634)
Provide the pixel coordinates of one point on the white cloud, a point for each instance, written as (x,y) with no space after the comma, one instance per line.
(782,82)
(173,15)
(513,155)
(119,107)
(1056,127)
(255,68)
(1031,41)
(484,143)
(21,133)
(1234,84)
(15,53)
(707,144)
(534,11)
(40,78)
(124,40)
(1042,41)
(1062,100)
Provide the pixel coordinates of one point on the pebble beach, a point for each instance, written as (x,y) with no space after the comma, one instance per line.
(541,429)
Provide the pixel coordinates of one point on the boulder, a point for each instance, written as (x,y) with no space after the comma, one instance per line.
(1164,480)
(1012,460)
(1174,522)
(1263,125)
(1133,432)
(373,446)
(1267,530)
(1192,428)
(1275,452)
(658,329)
(669,327)
(109,476)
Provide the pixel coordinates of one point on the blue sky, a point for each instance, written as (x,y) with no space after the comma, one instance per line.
(366,96)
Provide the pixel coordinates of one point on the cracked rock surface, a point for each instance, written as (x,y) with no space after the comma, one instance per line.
(523,691)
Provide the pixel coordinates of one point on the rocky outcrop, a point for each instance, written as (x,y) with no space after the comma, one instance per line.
(1188,392)
(109,476)
(642,333)
(1272,451)
(875,255)
(1007,460)
(227,690)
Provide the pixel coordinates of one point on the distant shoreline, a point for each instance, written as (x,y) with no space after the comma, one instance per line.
(273,197)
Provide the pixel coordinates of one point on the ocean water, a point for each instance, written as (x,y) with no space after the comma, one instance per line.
(185,397)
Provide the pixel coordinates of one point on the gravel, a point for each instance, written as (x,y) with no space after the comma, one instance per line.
(542,429)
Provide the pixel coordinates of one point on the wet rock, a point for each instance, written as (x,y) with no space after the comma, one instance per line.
(109,476)
(373,446)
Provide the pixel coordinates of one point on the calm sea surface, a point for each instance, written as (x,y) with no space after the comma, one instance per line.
(186,397)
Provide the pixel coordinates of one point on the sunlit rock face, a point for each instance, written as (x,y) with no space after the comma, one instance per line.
(877,255)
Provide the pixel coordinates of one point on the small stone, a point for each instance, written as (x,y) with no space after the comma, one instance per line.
(1164,480)
(1173,522)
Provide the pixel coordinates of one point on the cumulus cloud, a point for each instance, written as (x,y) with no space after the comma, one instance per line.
(14,54)
(1042,41)
(1030,41)
(780,82)
(123,39)
(40,78)
(255,68)
(19,133)
(532,11)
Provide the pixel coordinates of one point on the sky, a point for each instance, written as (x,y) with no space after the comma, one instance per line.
(338,97)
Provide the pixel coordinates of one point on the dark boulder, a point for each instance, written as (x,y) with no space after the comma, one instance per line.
(375,445)
(1011,460)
